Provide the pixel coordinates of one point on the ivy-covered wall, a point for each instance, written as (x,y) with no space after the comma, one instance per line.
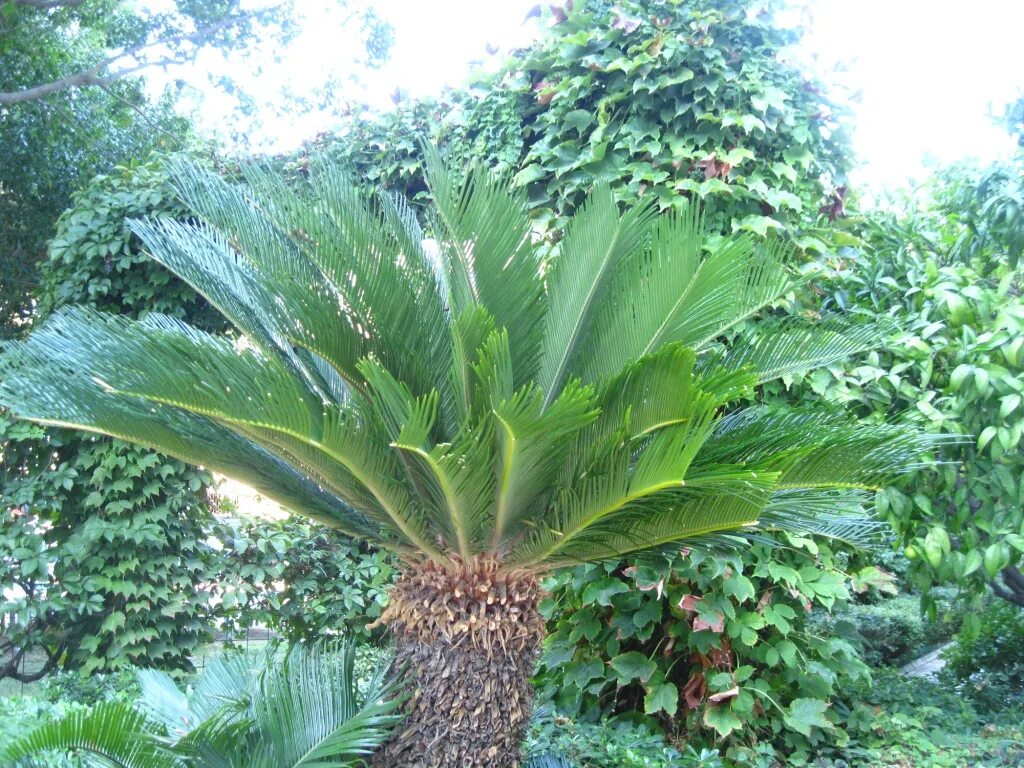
(103,542)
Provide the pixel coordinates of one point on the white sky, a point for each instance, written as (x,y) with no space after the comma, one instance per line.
(928,71)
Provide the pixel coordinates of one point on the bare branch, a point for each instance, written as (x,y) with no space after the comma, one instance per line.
(47,5)
(96,75)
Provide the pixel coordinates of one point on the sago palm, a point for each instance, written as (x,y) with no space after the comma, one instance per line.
(485,413)
(303,711)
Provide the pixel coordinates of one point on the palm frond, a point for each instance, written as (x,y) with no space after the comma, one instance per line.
(485,233)
(473,401)
(788,347)
(668,293)
(813,448)
(309,714)
(673,519)
(596,241)
(115,732)
(530,441)
(40,384)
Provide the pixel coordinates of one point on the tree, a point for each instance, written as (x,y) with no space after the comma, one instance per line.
(120,40)
(303,710)
(53,144)
(485,416)
(73,103)
(946,262)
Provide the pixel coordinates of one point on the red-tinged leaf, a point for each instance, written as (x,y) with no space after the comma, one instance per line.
(659,585)
(689,603)
(721,657)
(694,690)
(717,624)
(559,13)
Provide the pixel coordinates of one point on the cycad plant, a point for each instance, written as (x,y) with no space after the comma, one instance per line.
(304,711)
(486,413)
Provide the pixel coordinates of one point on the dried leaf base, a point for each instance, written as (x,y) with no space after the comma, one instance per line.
(467,639)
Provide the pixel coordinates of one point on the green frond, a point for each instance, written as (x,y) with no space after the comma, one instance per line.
(459,480)
(676,519)
(597,240)
(484,231)
(308,713)
(812,448)
(657,391)
(446,405)
(531,445)
(112,731)
(668,293)
(788,347)
(469,332)
(346,273)
(40,384)
(843,515)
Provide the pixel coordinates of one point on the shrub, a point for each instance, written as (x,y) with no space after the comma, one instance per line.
(302,580)
(988,665)
(617,743)
(951,279)
(709,646)
(911,721)
(77,688)
(20,714)
(892,632)
(102,543)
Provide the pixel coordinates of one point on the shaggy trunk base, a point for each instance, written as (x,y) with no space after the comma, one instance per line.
(467,638)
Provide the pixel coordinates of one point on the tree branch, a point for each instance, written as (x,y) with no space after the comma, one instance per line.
(47,5)
(1012,588)
(95,76)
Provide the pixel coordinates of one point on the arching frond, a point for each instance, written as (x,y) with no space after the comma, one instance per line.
(114,732)
(484,230)
(596,242)
(671,292)
(787,347)
(471,400)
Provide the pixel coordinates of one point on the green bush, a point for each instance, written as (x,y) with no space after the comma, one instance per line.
(891,632)
(714,648)
(20,714)
(88,690)
(102,544)
(942,264)
(903,721)
(988,666)
(617,743)
(302,580)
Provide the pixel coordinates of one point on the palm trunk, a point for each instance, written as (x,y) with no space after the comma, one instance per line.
(467,638)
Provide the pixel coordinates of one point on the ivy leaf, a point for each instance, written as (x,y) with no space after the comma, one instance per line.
(661,698)
(739,588)
(722,719)
(603,590)
(633,666)
(529,174)
(805,714)
(580,119)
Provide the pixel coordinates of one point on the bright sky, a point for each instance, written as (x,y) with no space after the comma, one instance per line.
(929,72)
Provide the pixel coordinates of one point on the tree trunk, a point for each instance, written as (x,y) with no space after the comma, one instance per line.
(467,638)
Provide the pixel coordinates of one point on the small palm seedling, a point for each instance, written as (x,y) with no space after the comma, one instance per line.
(486,414)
